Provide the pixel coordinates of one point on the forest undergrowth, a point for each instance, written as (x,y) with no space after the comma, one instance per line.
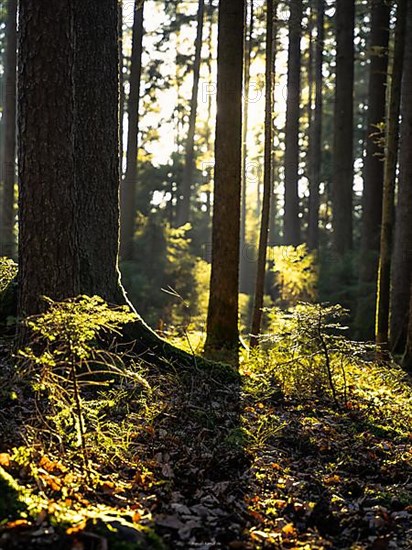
(309,448)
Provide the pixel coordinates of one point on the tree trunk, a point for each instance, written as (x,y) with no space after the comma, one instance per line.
(183,214)
(373,169)
(402,256)
(407,356)
(222,319)
(128,186)
(315,135)
(267,183)
(48,246)
(121,84)
(343,128)
(391,157)
(9,136)
(248,45)
(291,230)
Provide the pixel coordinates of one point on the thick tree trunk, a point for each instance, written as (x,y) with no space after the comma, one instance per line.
(373,169)
(128,186)
(183,214)
(267,183)
(343,128)
(402,256)
(8,171)
(316,132)
(291,228)
(222,320)
(48,245)
(391,158)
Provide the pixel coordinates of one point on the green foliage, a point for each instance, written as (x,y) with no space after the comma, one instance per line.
(67,368)
(8,288)
(296,273)
(305,353)
(165,281)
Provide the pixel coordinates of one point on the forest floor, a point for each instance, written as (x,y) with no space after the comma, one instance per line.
(192,461)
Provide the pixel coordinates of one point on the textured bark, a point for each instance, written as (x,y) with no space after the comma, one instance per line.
(291,229)
(373,169)
(391,158)
(183,214)
(267,181)
(8,171)
(128,186)
(315,135)
(343,128)
(222,319)
(48,246)
(402,255)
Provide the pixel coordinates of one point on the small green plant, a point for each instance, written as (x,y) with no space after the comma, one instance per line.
(66,364)
(306,351)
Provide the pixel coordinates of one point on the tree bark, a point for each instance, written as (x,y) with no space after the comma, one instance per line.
(390,165)
(373,169)
(291,229)
(402,255)
(128,186)
(183,214)
(248,45)
(267,182)
(315,135)
(407,356)
(48,246)
(121,84)
(9,137)
(343,128)
(222,319)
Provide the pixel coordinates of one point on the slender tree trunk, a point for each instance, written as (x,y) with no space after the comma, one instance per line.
(222,319)
(402,255)
(291,230)
(391,157)
(316,132)
(373,170)
(48,246)
(128,186)
(183,215)
(248,45)
(343,128)
(407,356)
(267,184)
(9,137)
(121,84)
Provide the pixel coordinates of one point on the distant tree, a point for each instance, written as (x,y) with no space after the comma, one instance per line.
(267,183)
(128,186)
(222,319)
(8,168)
(342,185)
(248,47)
(373,172)
(291,231)
(402,254)
(407,356)
(183,213)
(390,167)
(315,135)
